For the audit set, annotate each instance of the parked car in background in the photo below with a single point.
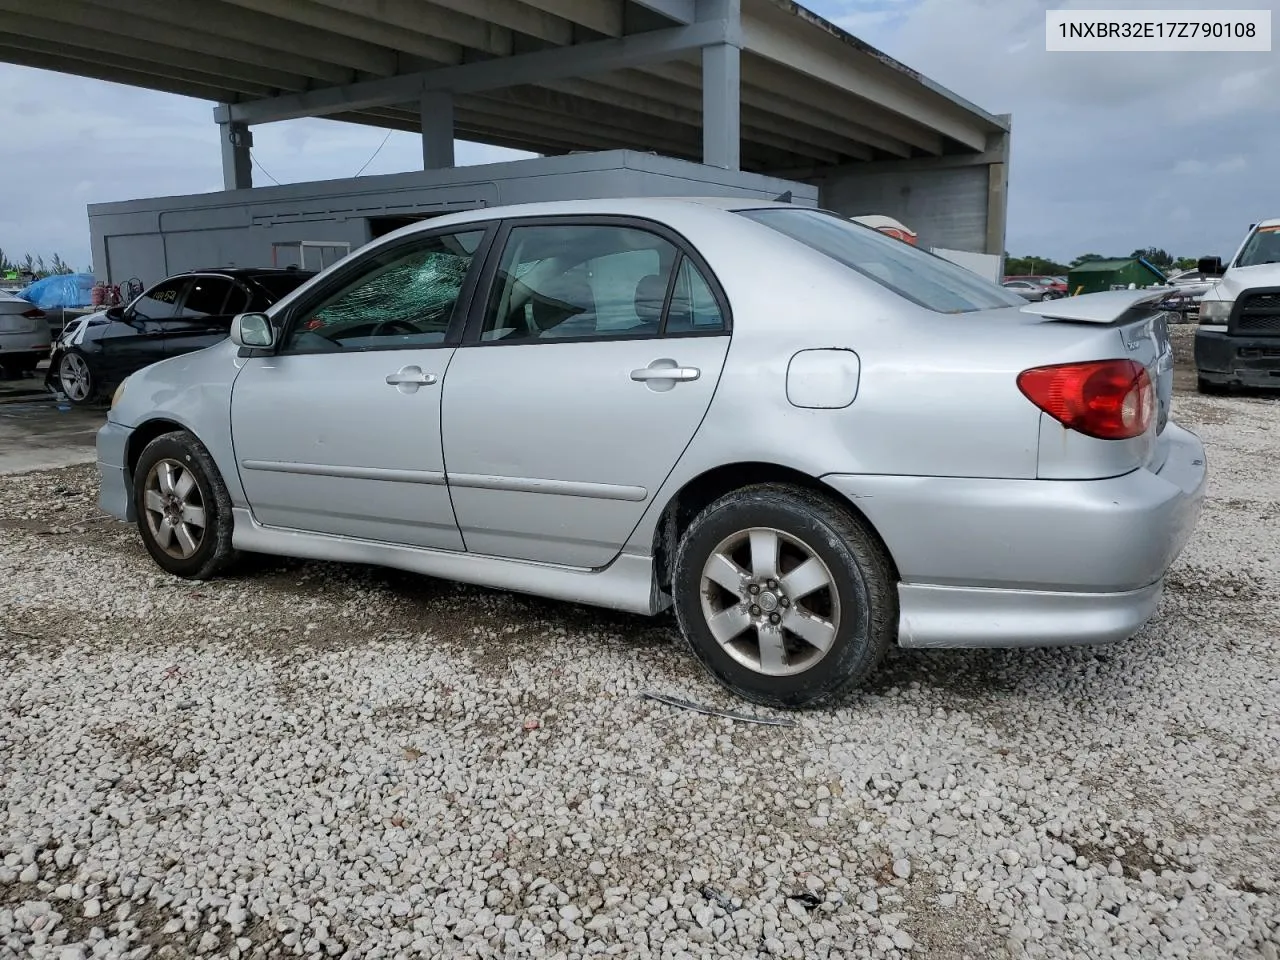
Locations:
(1238, 340)
(24, 335)
(543, 398)
(180, 314)
(1034, 292)
(1054, 286)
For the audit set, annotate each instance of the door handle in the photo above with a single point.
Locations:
(409, 379)
(418, 379)
(653, 372)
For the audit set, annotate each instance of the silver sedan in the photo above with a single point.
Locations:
(811, 440)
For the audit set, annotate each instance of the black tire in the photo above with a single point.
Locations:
(864, 587)
(213, 552)
(66, 363)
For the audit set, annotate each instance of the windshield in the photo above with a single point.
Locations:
(1262, 247)
(908, 271)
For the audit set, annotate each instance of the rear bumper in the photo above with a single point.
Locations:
(1237, 360)
(988, 562)
(115, 491)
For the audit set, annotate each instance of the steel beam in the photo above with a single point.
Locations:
(681, 11)
(583, 59)
(866, 80)
(652, 97)
(420, 17)
(599, 16)
(82, 38)
(437, 130)
(157, 35)
(356, 27)
(248, 26)
(133, 66)
(515, 16)
(112, 72)
(237, 161)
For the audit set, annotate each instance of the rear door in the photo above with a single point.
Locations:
(578, 387)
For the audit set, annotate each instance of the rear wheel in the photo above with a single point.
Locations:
(76, 378)
(183, 508)
(785, 598)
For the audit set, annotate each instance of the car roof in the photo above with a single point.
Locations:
(250, 272)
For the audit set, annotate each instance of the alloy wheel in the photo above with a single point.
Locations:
(770, 601)
(73, 374)
(174, 509)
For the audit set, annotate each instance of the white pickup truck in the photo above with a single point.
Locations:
(1238, 340)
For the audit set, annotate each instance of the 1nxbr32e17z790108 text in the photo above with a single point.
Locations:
(1132, 31)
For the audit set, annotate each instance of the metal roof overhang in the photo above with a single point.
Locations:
(548, 76)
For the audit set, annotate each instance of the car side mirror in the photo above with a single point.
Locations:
(1211, 266)
(253, 330)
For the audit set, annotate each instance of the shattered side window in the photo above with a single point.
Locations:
(406, 298)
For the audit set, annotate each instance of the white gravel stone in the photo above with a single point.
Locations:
(440, 770)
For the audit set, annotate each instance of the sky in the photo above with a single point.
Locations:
(1111, 152)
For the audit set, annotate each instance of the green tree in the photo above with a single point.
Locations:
(1086, 258)
(1154, 256)
(1185, 263)
(1038, 266)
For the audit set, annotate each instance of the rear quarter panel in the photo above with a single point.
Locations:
(937, 394)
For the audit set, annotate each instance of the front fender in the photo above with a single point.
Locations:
(194, 392)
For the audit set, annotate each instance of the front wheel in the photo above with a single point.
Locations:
(76, 378)
(786, 598)
(184, 510)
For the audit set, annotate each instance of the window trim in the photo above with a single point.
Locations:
(350, 268)
(485, 289)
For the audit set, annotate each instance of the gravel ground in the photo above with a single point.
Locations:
(316, 760)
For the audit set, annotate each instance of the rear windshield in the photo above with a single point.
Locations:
(908, 271)
(278, 285)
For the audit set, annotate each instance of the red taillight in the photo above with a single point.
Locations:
(35, 313)
(1107, 399)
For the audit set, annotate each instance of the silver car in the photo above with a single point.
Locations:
(810, 439)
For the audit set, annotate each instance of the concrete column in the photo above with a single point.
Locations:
(437, 130)
(721, 83)
(998, 189)
(721, 106)
(237, 164)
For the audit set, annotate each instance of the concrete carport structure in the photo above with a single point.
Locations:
(758, 86)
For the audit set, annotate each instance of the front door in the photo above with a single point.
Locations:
(137, 341)
(339, 431)
(581, 381)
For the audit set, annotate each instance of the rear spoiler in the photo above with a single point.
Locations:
(1106, 307)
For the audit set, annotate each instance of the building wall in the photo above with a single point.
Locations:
(959, 202)
(947, 208)
(152, 239)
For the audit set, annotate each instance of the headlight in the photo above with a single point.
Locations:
(115, 397)
(1215, 311)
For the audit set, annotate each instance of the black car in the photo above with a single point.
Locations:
(183, 313)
